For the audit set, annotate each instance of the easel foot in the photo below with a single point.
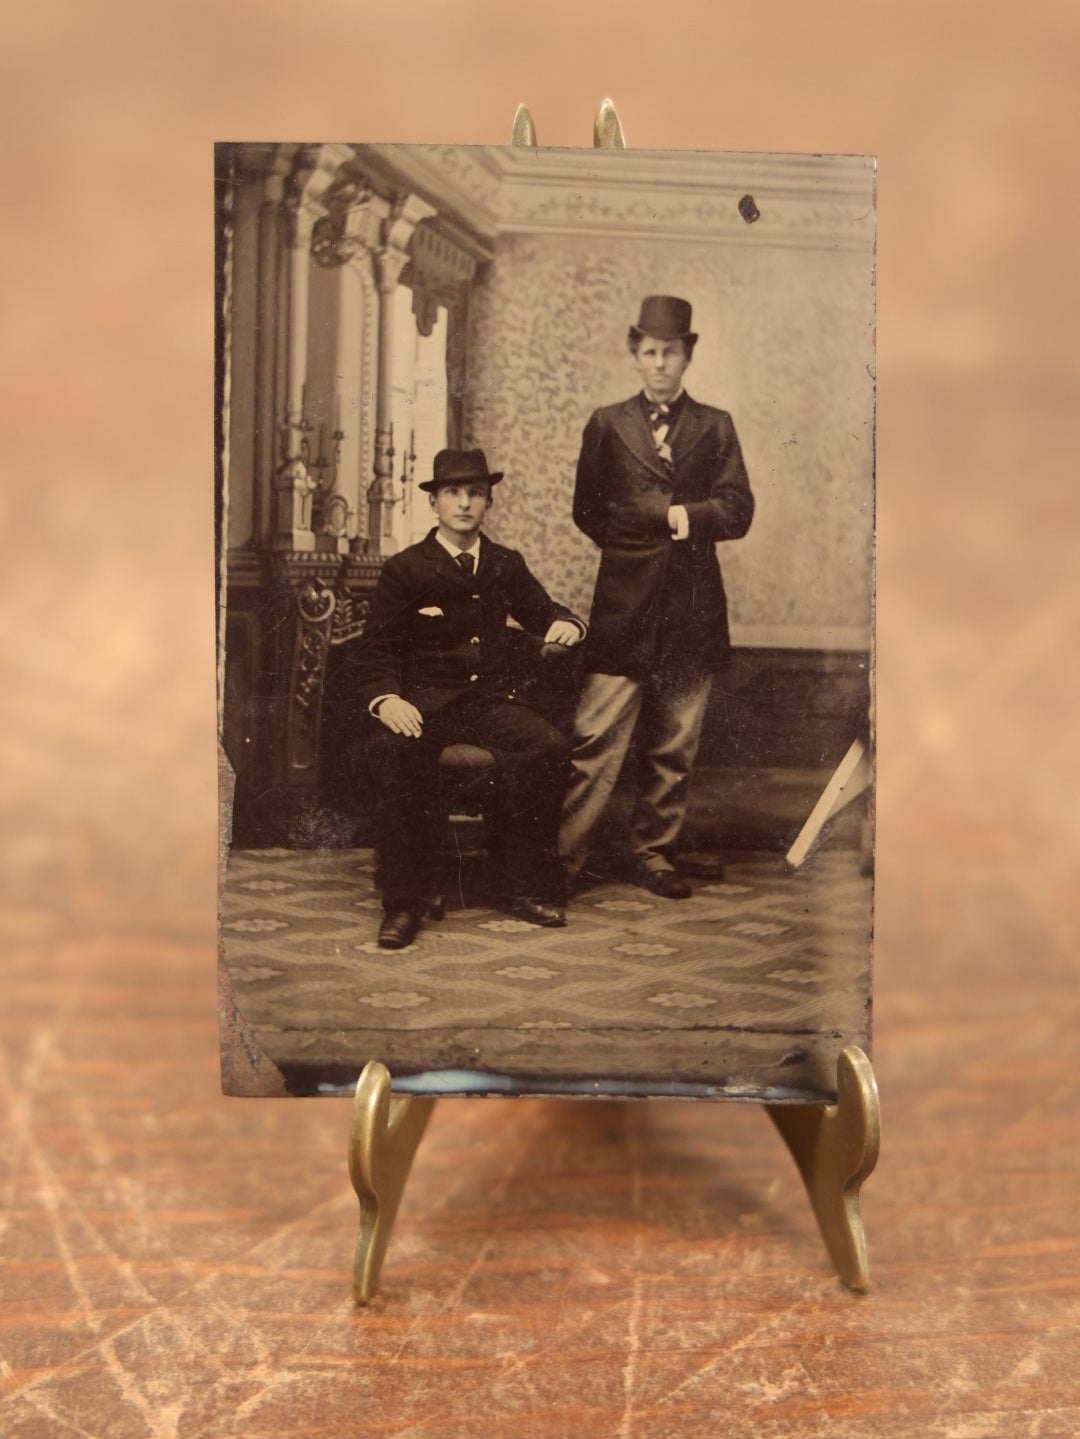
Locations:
(383, 1137)
(836, 1147)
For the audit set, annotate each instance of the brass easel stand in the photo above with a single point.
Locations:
(385, 1131)
(836, 1148)
(834, 1145)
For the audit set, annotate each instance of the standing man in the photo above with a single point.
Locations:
(660, 480)
(432, 669)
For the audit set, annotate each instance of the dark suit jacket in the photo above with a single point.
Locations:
(431, 659)
(659, 603)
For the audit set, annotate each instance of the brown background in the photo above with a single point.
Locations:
(177, 1264)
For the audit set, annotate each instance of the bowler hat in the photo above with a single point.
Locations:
(664, 317)
(460, 467)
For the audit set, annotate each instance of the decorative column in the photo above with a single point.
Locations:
(313, 172)
(390, 258)
(293, 485)
(310, 519)
(273, 222)
(342, 242)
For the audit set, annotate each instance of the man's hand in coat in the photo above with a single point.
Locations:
(400, 716)
(563, 632)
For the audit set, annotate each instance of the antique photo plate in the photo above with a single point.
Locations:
(381, 304)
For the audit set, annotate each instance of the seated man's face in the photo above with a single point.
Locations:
(460, 510)
(661, 364)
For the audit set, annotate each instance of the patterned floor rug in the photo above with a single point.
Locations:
(751, 987)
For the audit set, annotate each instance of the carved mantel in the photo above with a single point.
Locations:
(288, 613)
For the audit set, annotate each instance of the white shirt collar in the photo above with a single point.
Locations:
(453, 551)
(677, 396)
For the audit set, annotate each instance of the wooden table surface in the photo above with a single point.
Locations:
(177, 1264)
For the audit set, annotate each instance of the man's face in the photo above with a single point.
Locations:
(661, 364)
(460, 510)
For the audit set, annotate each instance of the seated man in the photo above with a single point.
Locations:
(432, 670)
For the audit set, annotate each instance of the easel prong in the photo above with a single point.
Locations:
(607, 129)
(524, 131)
(383, 1138)
(835, 1147)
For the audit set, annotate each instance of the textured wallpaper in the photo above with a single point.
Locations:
(786, 347)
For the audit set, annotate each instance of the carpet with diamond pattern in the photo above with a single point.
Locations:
(751, 987)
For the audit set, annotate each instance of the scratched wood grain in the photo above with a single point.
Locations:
(176, 1265)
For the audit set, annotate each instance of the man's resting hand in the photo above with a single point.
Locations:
(400, 716)
(563, 632)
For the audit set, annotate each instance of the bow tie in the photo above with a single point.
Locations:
(661, 415)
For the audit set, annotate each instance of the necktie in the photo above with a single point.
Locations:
(467, 562)
(661, 419)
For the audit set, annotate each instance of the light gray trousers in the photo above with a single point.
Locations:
(668, 725)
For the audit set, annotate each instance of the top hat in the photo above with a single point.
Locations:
(664, 317)
(460, 467)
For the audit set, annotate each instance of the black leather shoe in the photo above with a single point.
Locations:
(537, 911)
(399, 927)
(664, 882)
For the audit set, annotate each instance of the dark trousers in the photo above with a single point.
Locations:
(531, 772)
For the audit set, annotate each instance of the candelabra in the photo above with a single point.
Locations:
(388, 503)
(331, 509)
(293, 486)
(299, 425)
(408, 472)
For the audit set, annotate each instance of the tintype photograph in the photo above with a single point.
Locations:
(545, 542)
